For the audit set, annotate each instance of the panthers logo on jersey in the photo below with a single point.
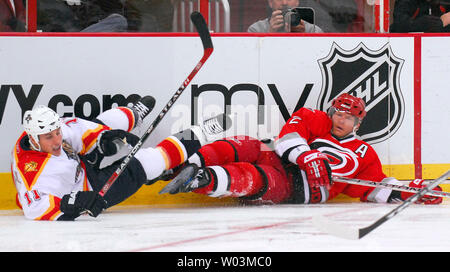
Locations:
(30, 167)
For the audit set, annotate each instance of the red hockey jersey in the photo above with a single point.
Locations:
(349, 157)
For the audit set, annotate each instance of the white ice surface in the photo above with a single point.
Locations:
(269, 228)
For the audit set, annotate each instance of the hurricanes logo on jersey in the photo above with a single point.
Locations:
(343, 161)
(371, 75)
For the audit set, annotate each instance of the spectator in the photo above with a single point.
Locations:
(126, 15)
(56, 16)
(12, 16)
(85, 16)
(100, 15)
(152, 15)
(333, 15)
(275, 22)
(420, 16)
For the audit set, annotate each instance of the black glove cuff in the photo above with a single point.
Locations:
(68, 207)
(395, 196)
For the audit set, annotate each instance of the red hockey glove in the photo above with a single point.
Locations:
(418, 183)
(318, 171)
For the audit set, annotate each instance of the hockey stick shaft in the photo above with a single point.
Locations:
(203, 31)
(364, 231)
(396, 187)
(326, 225)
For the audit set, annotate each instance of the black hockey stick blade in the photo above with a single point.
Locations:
(328, 226)
(202, 29)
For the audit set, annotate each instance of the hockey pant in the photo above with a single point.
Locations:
(246, 168)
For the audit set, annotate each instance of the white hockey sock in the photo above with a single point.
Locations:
(118, 118)
(152, 160)
(222, 181)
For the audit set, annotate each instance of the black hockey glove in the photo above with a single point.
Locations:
(110, 141)
(76, 203)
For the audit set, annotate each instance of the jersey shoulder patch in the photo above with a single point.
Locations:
(30, 163)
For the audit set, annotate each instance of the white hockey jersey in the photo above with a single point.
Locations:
(42, 179)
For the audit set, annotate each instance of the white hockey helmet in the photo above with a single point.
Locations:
(40, 120)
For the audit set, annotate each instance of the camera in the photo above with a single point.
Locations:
(291, 16)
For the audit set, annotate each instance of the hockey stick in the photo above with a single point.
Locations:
(330, 227)
(396, 187)
(202, 29)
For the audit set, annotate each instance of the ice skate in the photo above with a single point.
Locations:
(216, 124)
(142, 108)
(213, 128)
(190, 178)
(168, 174)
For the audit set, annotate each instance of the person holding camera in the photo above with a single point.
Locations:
(280, 20)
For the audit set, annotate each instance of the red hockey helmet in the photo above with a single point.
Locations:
(350, 104)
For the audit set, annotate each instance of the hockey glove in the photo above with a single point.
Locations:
(418, 183)
(318, 171)
(110, 141)
(76, 203)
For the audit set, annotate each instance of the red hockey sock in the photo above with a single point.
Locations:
(130, 115)
(173, 151)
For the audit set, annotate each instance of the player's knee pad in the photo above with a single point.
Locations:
(216, 153)
(246, 180)
(277, 187)
(246, 148)
(249, 182)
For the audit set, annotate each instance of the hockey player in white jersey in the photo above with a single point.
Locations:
(56, 161)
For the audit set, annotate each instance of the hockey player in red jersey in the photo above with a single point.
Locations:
(312, 146)
(56, 161)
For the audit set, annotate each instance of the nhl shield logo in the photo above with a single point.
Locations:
(371, 75)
